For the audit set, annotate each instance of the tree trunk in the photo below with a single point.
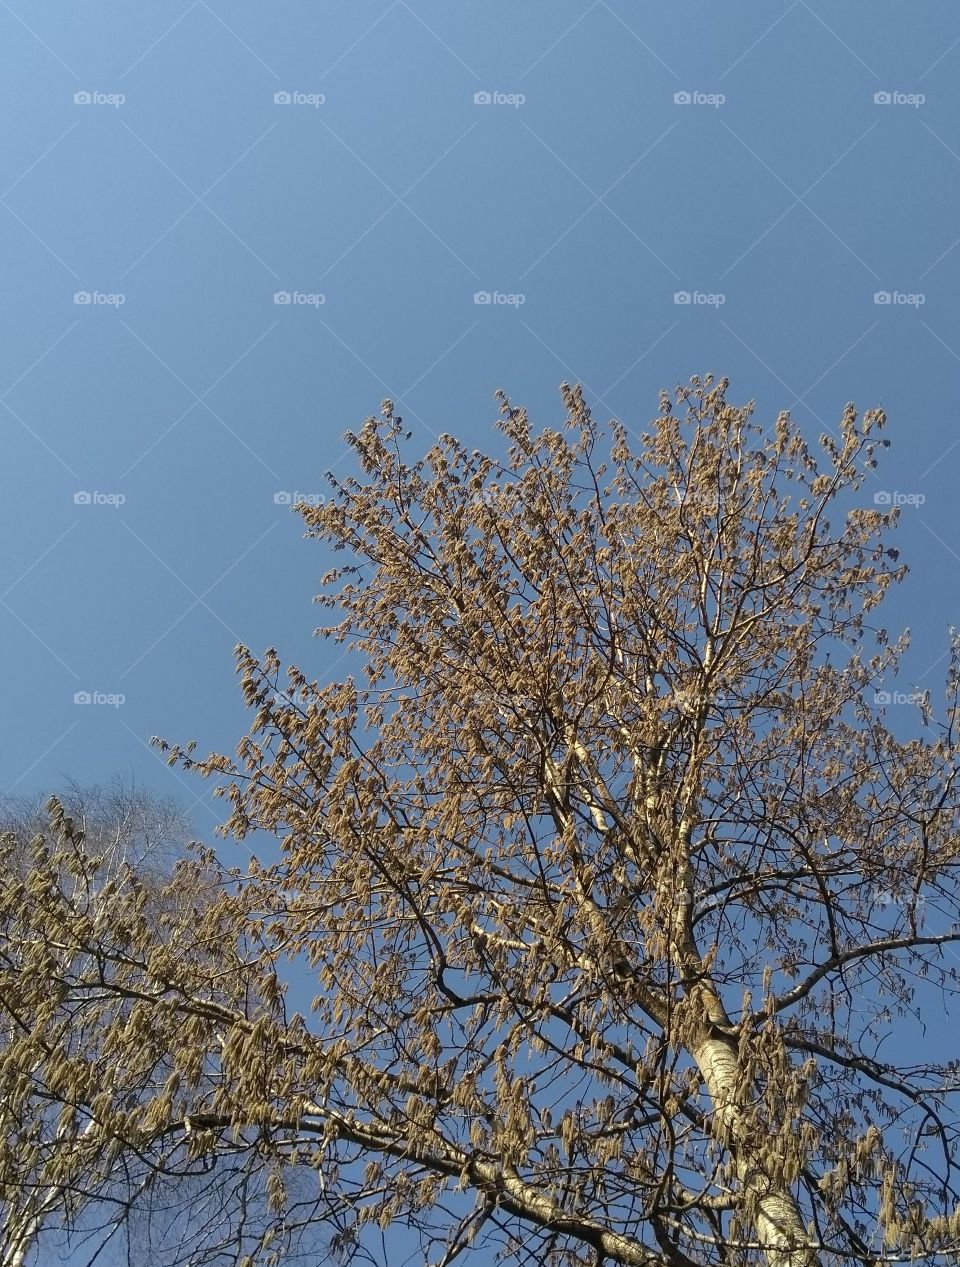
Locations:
(779, 1219)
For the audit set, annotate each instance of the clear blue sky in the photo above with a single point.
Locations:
(181, 186)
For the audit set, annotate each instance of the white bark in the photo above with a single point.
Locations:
(779, 1219)
(22, 1227)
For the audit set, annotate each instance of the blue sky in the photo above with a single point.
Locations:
(183, 188)
(181, 165)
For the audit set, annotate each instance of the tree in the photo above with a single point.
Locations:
(609, 878)
(109, 833)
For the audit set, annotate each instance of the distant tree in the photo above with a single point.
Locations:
(52, 1154)
(609, 877)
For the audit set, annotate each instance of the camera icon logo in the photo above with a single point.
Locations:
(281, 296)
(682, 98)
(681, 296)
(482, 296)
(482, 98)
(82, 98)
(881, 98)
(882, 498)
(281, 98)
(81, 697)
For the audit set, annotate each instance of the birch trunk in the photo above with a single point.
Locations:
(779, 1219)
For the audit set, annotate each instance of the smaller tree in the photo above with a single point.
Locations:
(53, 1162)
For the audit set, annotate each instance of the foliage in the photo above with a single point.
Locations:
(610, 876)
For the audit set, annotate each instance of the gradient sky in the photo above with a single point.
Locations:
(149, 164)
